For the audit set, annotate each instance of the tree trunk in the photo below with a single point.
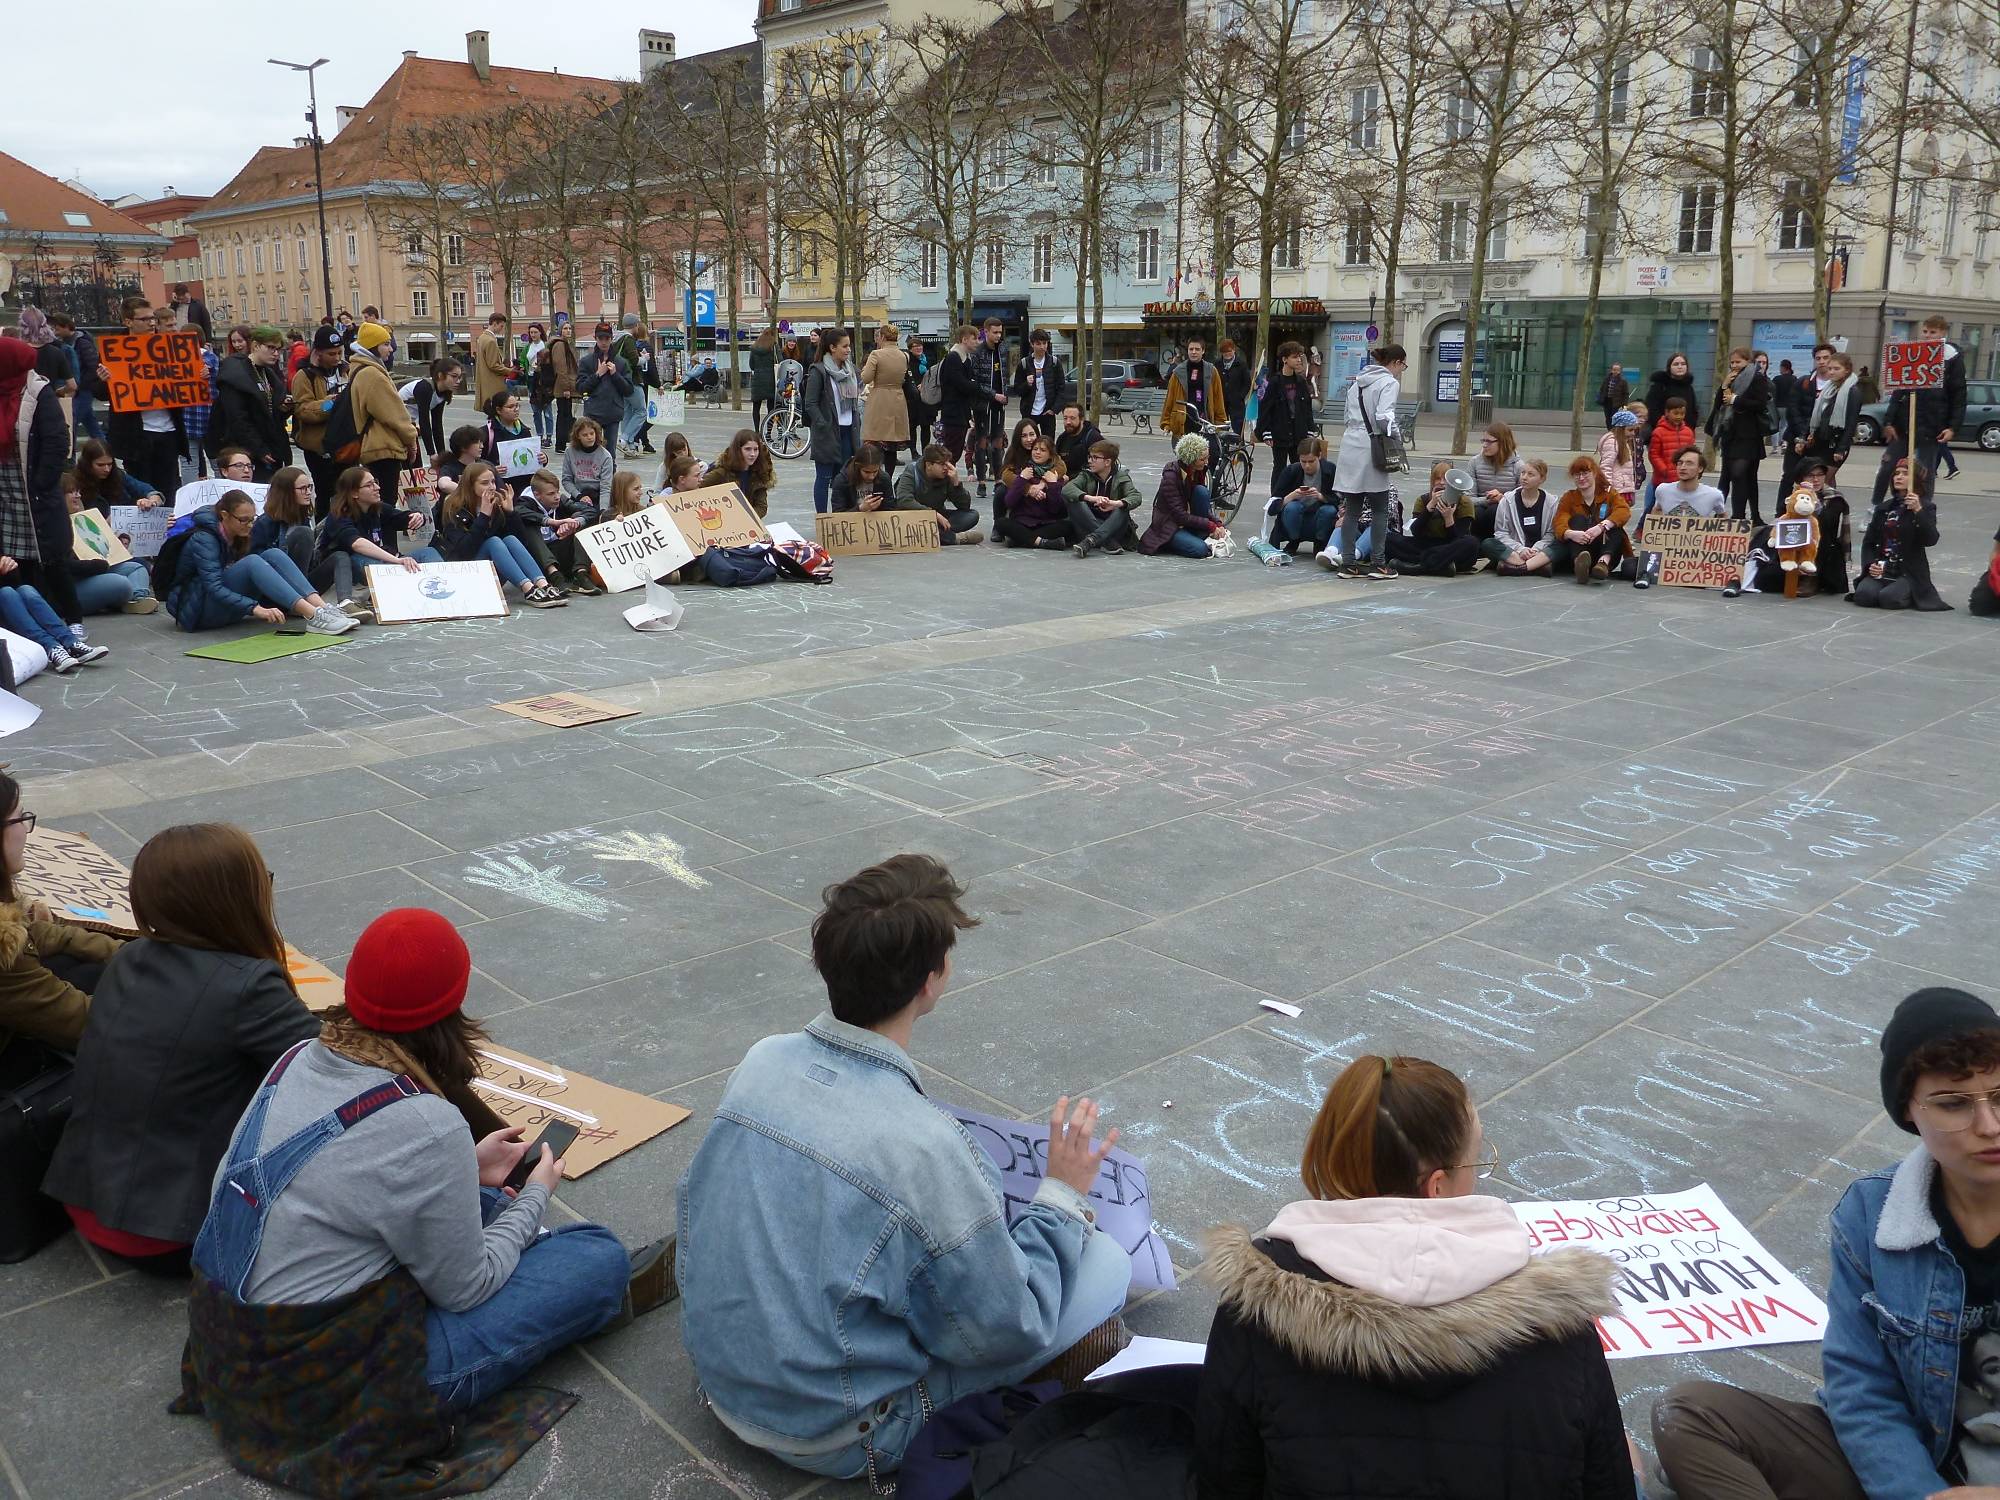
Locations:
(735, 312)
(1581, 396)
(1469, 358)
(1392, 254)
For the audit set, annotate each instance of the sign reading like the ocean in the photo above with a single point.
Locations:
(717, 516)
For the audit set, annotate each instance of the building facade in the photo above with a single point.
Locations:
(64, 250)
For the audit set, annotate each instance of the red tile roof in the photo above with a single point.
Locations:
(34, 203)
(164, 210)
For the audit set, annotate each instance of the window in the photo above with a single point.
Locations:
(1285, 251)
(454, 250)
(1954, 206)
(1045, 161)
(927, 265)
(1590, 207)
(805, 255)
(1364, 118)
(753, 280)
(607, 282)
(996, 164)
(1613, 104)
(353, 249)
(1919, 205)
(995, 264)
(263, 308)
(239, 260)
(1146, 256)
(303, 261)
(1295, 136)
(278, 258)
(1805, 72)
(1705, 84)
(1982, 227)
(77, 220)
(413, 247)
(517, 291)
(1359, 249)
(1455, 229)
(1496, 232)
(482, 286)
(1153, 148)
(458, 302)
(1796, 227)
(646, 287)
(420, 302)
(1697, 226)
(257, 257)
(1461, 116)
(1042, 268)
(281, 307)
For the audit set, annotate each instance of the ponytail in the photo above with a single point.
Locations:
(1385, 1125)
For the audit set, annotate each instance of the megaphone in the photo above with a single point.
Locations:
(1459, 482)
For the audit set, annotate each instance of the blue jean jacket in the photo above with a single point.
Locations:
(840, 1233)
(1892, 1336)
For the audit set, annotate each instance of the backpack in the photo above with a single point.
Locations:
(930, 390)
(808, 562)
(739, 567)
(167, 565)
(342, 443)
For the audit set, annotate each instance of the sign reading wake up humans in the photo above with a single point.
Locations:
(154, 371)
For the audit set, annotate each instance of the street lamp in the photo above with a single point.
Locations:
(319, 182)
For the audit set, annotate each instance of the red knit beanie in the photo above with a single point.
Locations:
(408, 971)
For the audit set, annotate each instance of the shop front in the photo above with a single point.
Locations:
(1169, 325)
(1530, 351)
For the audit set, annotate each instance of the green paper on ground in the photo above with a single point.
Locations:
(266, 647)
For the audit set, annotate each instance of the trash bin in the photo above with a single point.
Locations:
(1482, 409)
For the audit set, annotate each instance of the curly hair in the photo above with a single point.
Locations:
(1953, 1057)
(1191, 448)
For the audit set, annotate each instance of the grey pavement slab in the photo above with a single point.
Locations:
(1648, 869)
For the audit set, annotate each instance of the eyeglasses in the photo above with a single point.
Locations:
(27, 820)
(1952, 1113)
(1486, 1166)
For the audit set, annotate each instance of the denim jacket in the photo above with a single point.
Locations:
(1891, 1349)
(840, 1233)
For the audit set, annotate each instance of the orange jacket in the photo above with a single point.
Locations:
(1668, 440)
(1573, 515)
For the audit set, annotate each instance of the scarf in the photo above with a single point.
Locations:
(1831, 405)
(842, 376)
(17, 363)
(346, 1037)
(35, 328)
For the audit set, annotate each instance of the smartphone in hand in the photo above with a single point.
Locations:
(558, 1137)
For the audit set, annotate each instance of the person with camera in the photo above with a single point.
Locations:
(1895, 550)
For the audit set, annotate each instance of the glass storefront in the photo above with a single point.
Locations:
(1531, 348)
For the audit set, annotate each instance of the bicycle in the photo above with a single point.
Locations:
(1228, 469)
(785, 432)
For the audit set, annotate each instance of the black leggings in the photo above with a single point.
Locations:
(1014, 534)
(1739, 483)
(758, 406)
(1884, 593)
(1459, 552)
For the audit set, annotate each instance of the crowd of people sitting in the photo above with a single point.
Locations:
(371, 1272)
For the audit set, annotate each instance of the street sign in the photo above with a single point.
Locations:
(1916, 364)
(700, 309)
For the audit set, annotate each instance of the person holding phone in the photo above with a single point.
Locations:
(362, 1275)
(477, 520)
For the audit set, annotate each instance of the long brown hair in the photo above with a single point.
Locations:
(205, 885)
(347, 492)
(10, 807)
(110, 490)
(759, 475)
(1385, 1125)
(867, 456)
(281, 499)
(461, 500)
(1016, 458)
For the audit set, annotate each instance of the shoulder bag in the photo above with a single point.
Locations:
(1385, 449)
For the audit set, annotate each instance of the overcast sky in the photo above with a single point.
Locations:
(202, 97)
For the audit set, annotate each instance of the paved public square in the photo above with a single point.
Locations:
(1648, 868)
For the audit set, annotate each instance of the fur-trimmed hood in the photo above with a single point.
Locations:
(13, 933)
(1332, 1325)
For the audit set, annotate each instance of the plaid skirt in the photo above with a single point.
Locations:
(196, 418)
(17, 521)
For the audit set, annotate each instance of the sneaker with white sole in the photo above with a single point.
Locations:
(354, 609)
(329, 621)
(90, 655)
(1329, 559)
(143, 604)
(60, 661)
(79, 632)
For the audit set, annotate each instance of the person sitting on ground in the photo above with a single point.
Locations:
(1074, 440)
(186, 1021)
(218, 580)
(48, 967)
(1523, 536)
(875, 1248)
(504, 425)
(1303, 499)
(286, 522)
(1183, 518)
(104, 587)
(1012, 462)
(628, 493)
(1590, 523)
(477, 520)
(1440, 541)
(363, 1283)
(1985, 600)
(360, 531)
(1033, 512)
(864, 483)
(589, 463)
(684, 473)
(1102, 501)
(1689, 493)
(672, 446)
(746, 464)
(543, 521)
(1762, 573)
(1663, 452)
(1620, 454)
(466, 443)
(101, 482)
(1910, 1304)
(932, 483)
(24, 611)
(1392, 1334)
(1895, 550)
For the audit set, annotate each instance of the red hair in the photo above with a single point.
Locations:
(1584, 461)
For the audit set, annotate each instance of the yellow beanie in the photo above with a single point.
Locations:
(372, 336)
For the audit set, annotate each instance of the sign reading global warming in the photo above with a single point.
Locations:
(1690, 1278)
(717, 516)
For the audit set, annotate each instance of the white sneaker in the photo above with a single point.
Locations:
(60, 661)
(1328, 559)
(78, 632)
(329, 621)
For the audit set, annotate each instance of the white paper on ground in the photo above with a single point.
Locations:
(783, 531)
(661, 611)
(16, 713)
(28, 658)
(1281, 1008)
(1144, 1353)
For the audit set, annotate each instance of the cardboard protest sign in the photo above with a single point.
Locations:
(717, 516)
(436, 591)
(191, 497)
(565, 710)
(670, 407)
(1697, 552)
(95, 540)
(154, 371)
(318, 986)
(1913, 364)
(610, 1121)
(78, 881)
(141, 530)
(418, 483)
(1691, 1277)
(1123, 1204)
(632, 550)
(519, 456)
(866, 533)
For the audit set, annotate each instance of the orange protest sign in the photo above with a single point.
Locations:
(154, 371)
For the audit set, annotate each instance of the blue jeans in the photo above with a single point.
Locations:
(568, 1284)
(345, 571)
(1185, 543)
(1199, 503)
(635, 417)
(87, 424)
(1303, 521)
(268, 575)
(107, 593)
(25, 612)
(824, 473)
(512, 561)
(545, 420)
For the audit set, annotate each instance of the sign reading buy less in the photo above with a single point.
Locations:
(1913, 364)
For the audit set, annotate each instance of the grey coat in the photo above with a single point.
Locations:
(1354, 471)
(817, 406)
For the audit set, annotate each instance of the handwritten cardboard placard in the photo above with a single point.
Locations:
(154, 371)
(191, 497)
(717, 516)
(519, 457)
(629, 551)
(1697, 552)
(1691, 1277)
(142, 531)
(565, 710)
(318, 986)
(1123, 1203)
(869, 533)
(78, 881)
(95, 539)
(436, 591)
(610, 1121)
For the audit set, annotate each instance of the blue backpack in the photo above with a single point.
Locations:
(167, 566)
(739, 567)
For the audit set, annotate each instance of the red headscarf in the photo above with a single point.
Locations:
(17, 363)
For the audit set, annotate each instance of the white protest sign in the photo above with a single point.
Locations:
(1691, 1278)
(631, 550)
(670, 407)
(520, 456)
(206, 492)
(142, 530)
(436, 591)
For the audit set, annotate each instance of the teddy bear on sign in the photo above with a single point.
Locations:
(1795, 535)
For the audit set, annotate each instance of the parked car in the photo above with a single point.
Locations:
(1122, 380)
(1982, 417)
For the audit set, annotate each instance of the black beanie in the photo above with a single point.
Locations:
(1928, 1015)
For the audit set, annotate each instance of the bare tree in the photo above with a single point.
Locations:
(638, 159)
(500, 218)
(719, 103)
(560, 162)
(425, 208)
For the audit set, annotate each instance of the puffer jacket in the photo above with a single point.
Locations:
(198, 597)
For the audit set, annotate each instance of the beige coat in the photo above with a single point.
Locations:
(886, 418)
(490, 368)
(386, 428)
